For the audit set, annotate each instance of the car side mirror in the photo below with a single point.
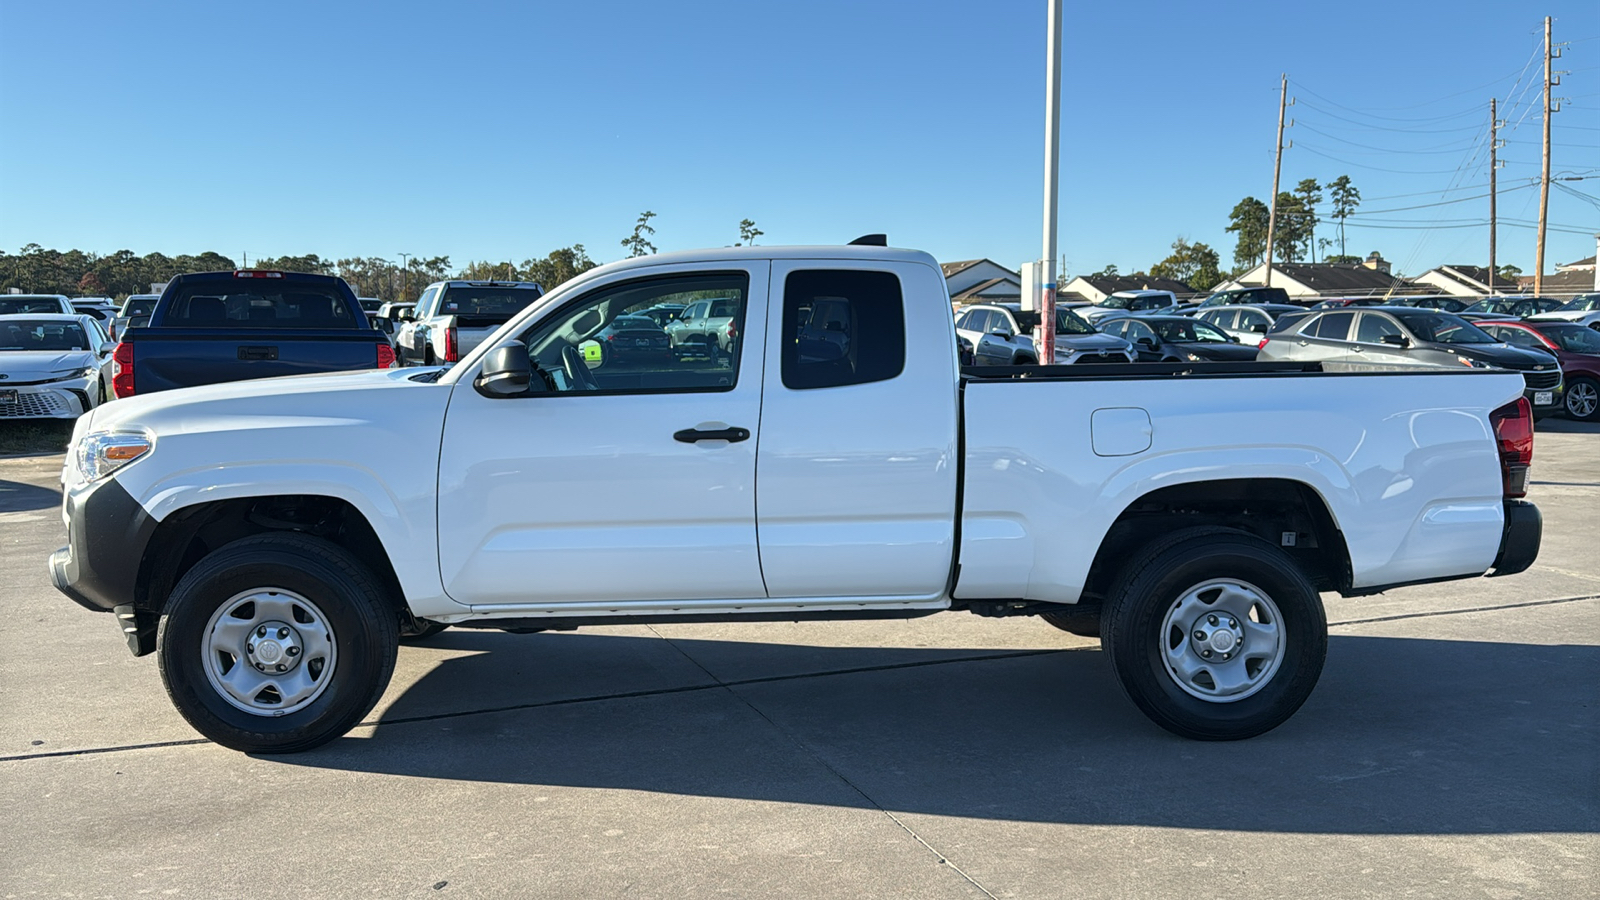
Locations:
(406, 315)
(1001, 332)
(507, 372)
(1147, 343)
(1233, 339)
(1396, 340)
(1258, 328)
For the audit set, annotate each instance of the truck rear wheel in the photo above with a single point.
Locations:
(1215, 634)
(277, 643)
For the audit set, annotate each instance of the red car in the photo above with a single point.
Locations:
(1578, 349)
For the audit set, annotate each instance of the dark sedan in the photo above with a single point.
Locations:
(1509, 308)
(1178, 339)
(631, 340)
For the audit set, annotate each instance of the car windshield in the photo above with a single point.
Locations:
(1115, 302)
(1444, 328)
(1222, 299)
(1585, 303)
(1573, 338)
(139, 306)
(11, 306)
(1067, 322)
(37, 334)
(1189, 332)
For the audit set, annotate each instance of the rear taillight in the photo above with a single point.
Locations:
(1513, 431)
(1262, 344)
(452, 345)
(385, 355)
(256, 273)
(122, 370)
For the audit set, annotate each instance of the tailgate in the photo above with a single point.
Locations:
(166, 358)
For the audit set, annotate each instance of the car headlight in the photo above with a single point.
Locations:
(87, 372)
(103, 452)
(1474, 363)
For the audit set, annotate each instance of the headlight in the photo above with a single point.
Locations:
(104, 452)
(1474, 363)
(68, 376)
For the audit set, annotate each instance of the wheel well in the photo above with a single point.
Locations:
(1269, 508)
(187, 535)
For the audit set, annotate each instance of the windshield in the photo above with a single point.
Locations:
(476, 301)
(1585, 303)
(1444, 328)
(1115, 302)
(1189, 332)
(14, 306)
(36, 334)
(1067, 322)
(1221, 299)
(139, 306)
(1573, 338)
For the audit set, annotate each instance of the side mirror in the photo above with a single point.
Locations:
(1233, 339)
(1147, 343)
(1258, 328)
(507, 372)
(1001, 332)
(1396, 340)
(406, 314)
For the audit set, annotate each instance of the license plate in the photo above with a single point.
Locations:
(8, 396)
(641, 342)
(1544, 398)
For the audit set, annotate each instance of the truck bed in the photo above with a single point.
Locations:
(167, 358)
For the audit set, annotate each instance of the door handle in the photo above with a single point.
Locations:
(694, 435)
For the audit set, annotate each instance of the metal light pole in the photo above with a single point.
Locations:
(1046, 329)
(405, 276)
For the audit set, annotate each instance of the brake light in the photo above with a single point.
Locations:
(1262, 344)
(385, 355)
(452, 345)
(1513, 431)
(122, 370)
(256, 273)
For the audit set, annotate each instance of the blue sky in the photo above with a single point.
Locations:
(505, 130)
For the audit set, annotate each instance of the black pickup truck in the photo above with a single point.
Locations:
(212, 327)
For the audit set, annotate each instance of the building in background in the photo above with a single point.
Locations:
(1370, 278)
(1466, 281)
(1095, 288)
(981, 281)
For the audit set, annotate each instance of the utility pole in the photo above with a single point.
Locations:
(1494, 163)
(1544, 179)
(405, 276)
(1045, 331)
(1277, 169)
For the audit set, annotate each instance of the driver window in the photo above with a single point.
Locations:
(1374, 328)
(610, 341)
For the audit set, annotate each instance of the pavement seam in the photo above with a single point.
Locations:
(1457, 612)
(819, 760)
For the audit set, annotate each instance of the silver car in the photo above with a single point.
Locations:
(1002, 335)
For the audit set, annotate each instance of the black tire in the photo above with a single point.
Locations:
(1168, 569)
(1582, 389)
(423, 630)
(364, 626)
(1081, 619)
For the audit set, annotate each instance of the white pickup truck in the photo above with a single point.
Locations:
(273, 541)
(451, 318)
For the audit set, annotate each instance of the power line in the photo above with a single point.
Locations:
(1464, 145)
(1369, 127)
(1310, 149)
(1487, 84)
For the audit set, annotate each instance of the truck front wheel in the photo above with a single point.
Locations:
(277, 643)
(1215, 634)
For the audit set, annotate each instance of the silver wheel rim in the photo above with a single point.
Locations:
(268, 651)
(1582, 398)
(1222, 640)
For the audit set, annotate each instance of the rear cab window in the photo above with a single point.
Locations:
(842, 327)
(258, 303)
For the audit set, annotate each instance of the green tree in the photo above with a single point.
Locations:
(558, 266)
(1197, 265)
(1293, 221)
(488, 271)
(1109, 271)
(310, 263)
(1345, 198)
(1249, 221)
(1510, 271)
(1341, 259)
(748, 232)
(1309, 193)
(637, 243)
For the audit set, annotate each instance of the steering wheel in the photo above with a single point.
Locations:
(578, 374)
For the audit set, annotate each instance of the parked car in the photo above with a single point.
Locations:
(1126, 303)
(134, 313)
(663, 313)
(1577, 349)
(52, 365)
(1583, 309)
(1178, 339)
(18, 304)
(1344, 302)
(1247, 324)
(709, 327)
(1510, 307)
(103, 309)
(452, 317)
(215, 327)
(390, 316)
(370, 305)
(1389, 336)
(1440, 302)
(629, 340)
(1246, 296)
(1002, 335)
(249, 535)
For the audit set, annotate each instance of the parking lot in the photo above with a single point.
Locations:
(1449, 751)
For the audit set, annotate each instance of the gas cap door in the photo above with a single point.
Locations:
(1120, 431)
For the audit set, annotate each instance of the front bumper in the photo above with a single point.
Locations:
(1519, 539)
(107, 533)
(56, 400)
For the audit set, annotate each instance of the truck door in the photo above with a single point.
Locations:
(856, 472)
(633, 479)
